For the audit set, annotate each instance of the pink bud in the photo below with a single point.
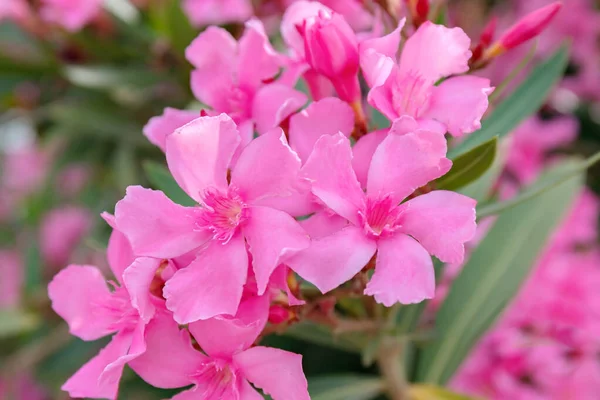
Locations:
(331, 49)
(487, 35)
(530, 26)
(278, 314)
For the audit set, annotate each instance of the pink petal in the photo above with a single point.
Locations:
(323, 223)
(86, 381)
(378, 55)
(294, 15)
(363, 154)
(459, 103)
(325, 117)
(329, 167)
(119, 254)
(158, 128)
(200, 153)
(258, 60)
(155, 226)
(403, 272)
(277, 372)
(253, 176)
(247, 392)
(279, 281)
(138, 278)
(111, 375)
(224, 336)
(191, 394)
(334, 259)
(214, 56)
(273, 104)
(211, 285)
(442, 222)
(435, 51)
(78, 293)
(170, 360)
(403, 163)
(272, 235)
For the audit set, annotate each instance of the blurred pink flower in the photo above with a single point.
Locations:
(12, 271)
(217, 12)
(61, 231)
(14, 10)
(73, 178)
(24, 171)
(72, 15)
(22, 387)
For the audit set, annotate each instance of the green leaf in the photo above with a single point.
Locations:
(161, 178)
(538, 189)
(14, 322)
(430, 392)
(524, 101)
(481, 188)
(493, 275)
(345, 387)
(469, 166)
(321, 335)
(109, 77)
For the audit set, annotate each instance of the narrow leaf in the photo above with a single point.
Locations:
(321, 335)
(469, 166)
(345, 387)
(14, 322)
(523, 102)
(494, 273)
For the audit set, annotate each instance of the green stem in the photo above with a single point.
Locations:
(390, 365)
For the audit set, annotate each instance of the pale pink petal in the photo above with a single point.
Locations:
(435, 51)
(442, 222)
(119, 254)
(279, 281)
(362, 153)
(138, 278)
(273, 104)
(155, 226)
(158, 128)
(253, 176)
(224, 336)
(272, 236)
(459, 103)
(278, 373)
(214, 56)
(382, 96)
(111, 375)
(378, 55)
(78, 294)
(294, 15)
(403, 163)
(333, 260)
(199, 153)
(403, 272)
(170, 358)
(258, 61)
(211, 285)
(329, 167)
(86, 381)
(324, 117)
(323, 223)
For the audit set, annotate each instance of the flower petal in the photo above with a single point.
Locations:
(211, 285)
(403, 272)
(258, 61)
(363, 154)
(170, 359)
(435, 51)
(138, 278)
(333, 260)
(111, 375)
(158, 128)
(459, 103)
(272, 235)
(78, 293)
(119, 253)
(253, 176)
(224, 335)
(294, 15)
(403, 163)
(277, 372)
(199, 153)
(378, 55)
(273, 104)
(329, 167)
(325, 117)
(155, 226)
(442, 221)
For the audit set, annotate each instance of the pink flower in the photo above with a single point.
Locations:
(403, 235)
(217, 12)
(158, 128)
(235, 216)
(231, 77)
(81, 296)
(230, 363)
(73, 179)
(409, 88)
(331, 49)
(14, 10)
(12, 272)
(61, 231)
(72, 15)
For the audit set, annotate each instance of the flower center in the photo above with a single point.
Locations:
(380, 217)
(411, 94)
(221, 213)
(218, 379)
(238, 103)
(118, 307)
